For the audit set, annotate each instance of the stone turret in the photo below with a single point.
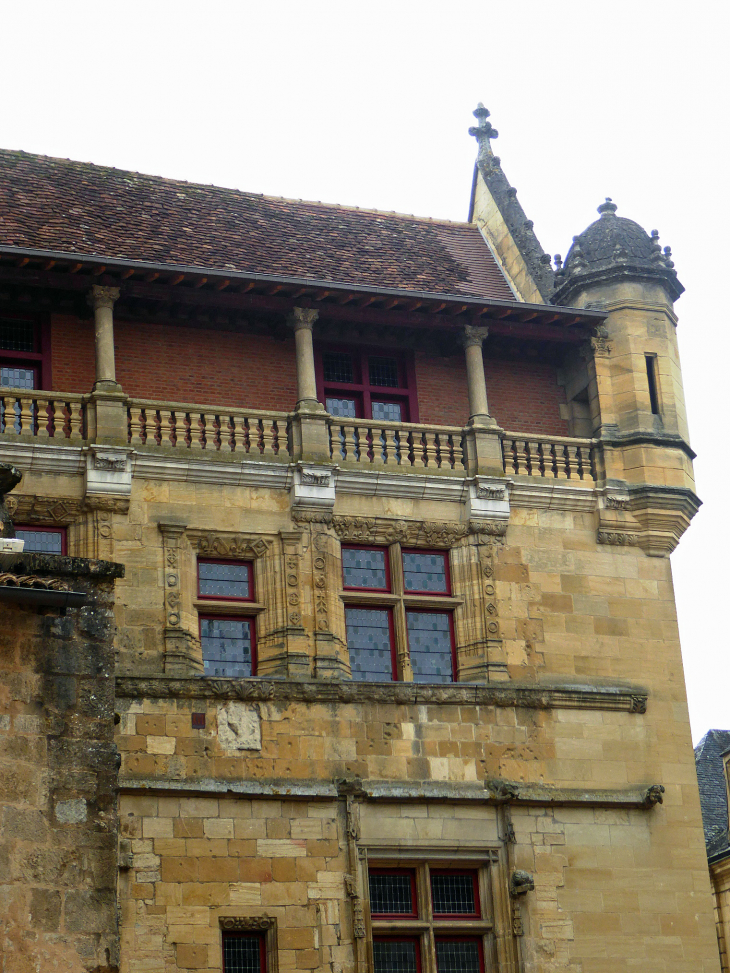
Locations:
(631, 377)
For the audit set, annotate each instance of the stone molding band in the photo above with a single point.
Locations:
(493, 791)
(621, 698)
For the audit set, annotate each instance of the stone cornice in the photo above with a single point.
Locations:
(494, 791)
(630, 699)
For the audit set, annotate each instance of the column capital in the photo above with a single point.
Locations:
(303, 317)
(103, 296)
(474, 335)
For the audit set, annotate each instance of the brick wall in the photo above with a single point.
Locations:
(192, 365)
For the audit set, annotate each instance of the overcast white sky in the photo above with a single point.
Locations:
(369, 104)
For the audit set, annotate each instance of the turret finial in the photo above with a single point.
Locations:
(608, 208)
(484, 131)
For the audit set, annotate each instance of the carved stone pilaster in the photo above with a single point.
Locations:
(479, 646)
(282, 637)
(182, 648)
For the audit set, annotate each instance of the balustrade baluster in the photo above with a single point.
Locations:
(163, 428)
(418, 457)
(389, 446)
(44, 418)
(76, 421)
(561, 461)
(26, 423)
(230, 435)
(345, 432)
(521, 456)
(137, 426)
(572, 462)
(197, 430)
(268, 438)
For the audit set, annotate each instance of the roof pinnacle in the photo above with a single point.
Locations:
(483, 131)
(608, 208)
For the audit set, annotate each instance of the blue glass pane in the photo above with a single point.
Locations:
(395, 956)
(41, 541)
(425, 572)
(458, 956)
(226, 646)
(387, 411)
(363, 569)
(368, 642)
(224, 580)
(343, 408)
(429, 643)
(17, 378)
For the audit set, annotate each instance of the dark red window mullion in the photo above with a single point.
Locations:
(475, 886)
(447, 571)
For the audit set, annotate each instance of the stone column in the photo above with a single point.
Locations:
(107, 405)
(309, 429)
(302, 321)
(472, 341)
(483, 445)
(102, 300)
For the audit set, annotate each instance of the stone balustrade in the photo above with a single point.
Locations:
(551, 457)
(195, 427)
(44, 415)
(267, 435)
(421, 447)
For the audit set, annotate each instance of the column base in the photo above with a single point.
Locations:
(106, 416)
(483, 446)
(310, 434)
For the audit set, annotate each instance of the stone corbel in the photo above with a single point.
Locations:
(108, 472)
(488, 500)
(313, 488)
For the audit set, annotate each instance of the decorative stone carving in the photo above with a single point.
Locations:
(311, 516)
(638, 704)
(474, 335)
(211, 544)
(521, 883)
(44, 510)
(617, 538)
(118, 505)
(247, 923)
(617, 503)
(488, 501)
(654, 795)
(182, 655)
(600, 343)
(381, 530)
(239, 727)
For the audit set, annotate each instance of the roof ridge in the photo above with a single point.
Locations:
(350, 208)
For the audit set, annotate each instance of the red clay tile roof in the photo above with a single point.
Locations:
(75, 207)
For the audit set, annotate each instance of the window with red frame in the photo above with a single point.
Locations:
(42, 540)
(367, 384)
(244, 952)
(228, 641)
(23, 364)
(428, 919)
(371, 625)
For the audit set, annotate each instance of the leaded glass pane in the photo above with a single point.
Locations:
(425, 572)
(17, 378)
(337, 367)
(226, 646)
(363, 568)
(387, 411)
(429, 643)
(453, 894)
(224, 580)
(458, 956)
(342, 408)
(368, 643)
(17, 335)
(242, 954)
(384, 372)
(395, 956)
(391, 894)
(41, 541)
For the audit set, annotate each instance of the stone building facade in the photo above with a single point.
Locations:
(398, 680)
(711, 759)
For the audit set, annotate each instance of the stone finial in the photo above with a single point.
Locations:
(558, 263)
(608, 208)
(303, 317)
(483, 131)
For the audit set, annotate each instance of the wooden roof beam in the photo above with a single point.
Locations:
(221, 286)
(200, 282)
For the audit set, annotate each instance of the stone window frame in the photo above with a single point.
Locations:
(262, 925)
(424, 927)
(399, 602)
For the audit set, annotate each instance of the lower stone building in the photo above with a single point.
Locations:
(711, 757)
(397, 683)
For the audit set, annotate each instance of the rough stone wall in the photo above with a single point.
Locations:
(58, 775)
